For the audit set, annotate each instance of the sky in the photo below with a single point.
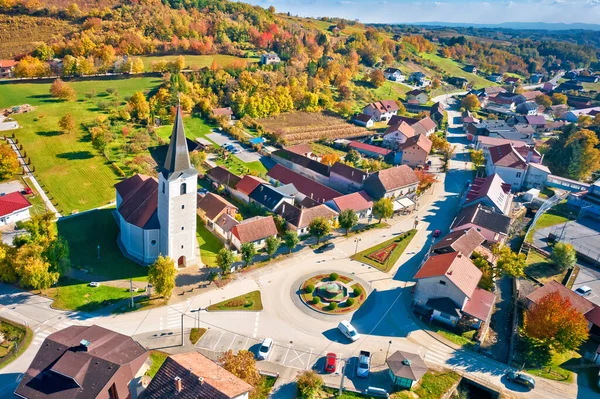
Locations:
(479, 12)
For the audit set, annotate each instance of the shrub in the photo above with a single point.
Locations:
(316, 300)
(349, 301)
(334, 276)
(309, 288)
(357, 291)
(333, 306)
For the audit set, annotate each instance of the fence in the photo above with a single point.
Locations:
(582, 250)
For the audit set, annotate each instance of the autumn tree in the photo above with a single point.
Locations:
(272, 244)
(248, 251)
(555, 323)
(477, 157)
(30, 67)
(63, 91)
(559, 98)
(347, 219)
(508, 263)
(425, 180)
(564, 255)
(352, 156)
(470, 102)
(439, 143)
(161, 275)
(309, 384)
(319, 227)
(9, 162)
(225, 260)
(377, 77)
(242, 365)
(197, 158)
(139, 107)
(585, 154)
(291, 240)
(330, 158)
(543, 100)
(67, 123)
(383, 208)
(33, 270)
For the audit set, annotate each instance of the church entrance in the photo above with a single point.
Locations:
(181, 261)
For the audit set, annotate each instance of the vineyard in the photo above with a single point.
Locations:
(305, 127)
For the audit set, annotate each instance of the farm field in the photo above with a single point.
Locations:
(305, 127)
(76, 176)
(198, 61)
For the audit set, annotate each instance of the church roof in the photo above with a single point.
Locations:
(139, 201)
(177, 161)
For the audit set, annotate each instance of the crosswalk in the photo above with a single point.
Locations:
(173, 318)
(42, 331)
(437, 353)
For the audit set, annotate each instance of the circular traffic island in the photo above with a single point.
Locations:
(332, 293)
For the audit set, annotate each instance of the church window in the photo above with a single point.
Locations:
(153, 242)
(181, 227)
(163, 188)
(182, 206)
(183, 189)
(182, 247)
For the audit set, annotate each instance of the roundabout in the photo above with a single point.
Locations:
(332, 293)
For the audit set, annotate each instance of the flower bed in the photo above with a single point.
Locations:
(321, 305)
(381, 255)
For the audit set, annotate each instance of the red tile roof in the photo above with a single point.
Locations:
(254, 229)
(306, 186)
(248, 184)
(222, 111)
(385, 106)
(424, 125)
(139, 200)
(359, 201)
(420, 140)
(464, 241)
(506, 155)
(300, 149)
(482, 186)
(8, 63)
(402, 127)
(480, 304)
(396, 177)
(456, 267)
(213, 205)
(536, 120)
(13, 202)
(357, 145)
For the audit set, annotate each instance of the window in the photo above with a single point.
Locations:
(442, 282)
(182, 247)
(182, 228)
(518, 174)
(182, 206)
(153, 243)
(183, 189)
(163, 188)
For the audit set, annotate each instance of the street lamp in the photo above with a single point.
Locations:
(416, 222)
(356, 240)
(388, 349)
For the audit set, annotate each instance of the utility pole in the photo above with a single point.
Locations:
(356, 240)
(388, 350)
(182, 329)
(130, 289)
(343, 376)
(98, 251)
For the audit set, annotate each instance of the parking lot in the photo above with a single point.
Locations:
(244, 155)
(591, 278)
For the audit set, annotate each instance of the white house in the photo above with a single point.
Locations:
(270, 58)
(397, 134)
(14, 207)
(518, 166)
(381, 110)
(394, 74)
(587, 201)
(363, 120)
(254, 230)
(418, 95)
(491, 191)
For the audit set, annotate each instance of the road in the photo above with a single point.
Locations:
(302, 336)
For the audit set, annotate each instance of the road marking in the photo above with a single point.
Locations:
(217, 343)
(246, 344)
(286, 353)
(298, 357)
(160, 323)
(256, 325)
(232, 341)
(308, 361)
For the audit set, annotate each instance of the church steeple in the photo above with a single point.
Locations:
(177, 161)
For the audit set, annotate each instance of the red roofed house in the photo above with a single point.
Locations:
(218, 215)
(381, 110)
(14, 207)
(359, 202)
(298, 219)
(415, 150)
(397, 134)
(447, 286)
(373, 151)
(346, 178)
(245, 186)
(7, 68)
(400, 181)
(419, 95)
(254, 230)
(518, 166)
(491, 191)
(424, 126)
(226, 112)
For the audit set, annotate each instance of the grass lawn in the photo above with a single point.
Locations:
(322, 306)
(465, 339)
(195, 127)
(198, 61)
(209, 244)
(235, 166)
(333, 393)
(13, 333)
(157, 358)
(85, 232)
(453, 68)
(540, 361)
(432, 385)
(78, 295)
(402, 242)
(196, 334)
(68, 167)
(542, 268)
(250, 301)
(553, 217)
(38, 205)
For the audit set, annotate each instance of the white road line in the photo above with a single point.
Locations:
(160, 323)
(217, 343)
(298, 357)
(308, 361)
(256, 325)
(286, 353)
(232, 341)
(246, 344)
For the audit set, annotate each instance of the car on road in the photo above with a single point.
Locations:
(584, 291)
(236, 151)
(202, 191)
(520, 378)
(437, 233)
(330, 362)
(348, 330)
(265, 349)
(325, 247)
(364, 364)
(94, 284)
(470, 146)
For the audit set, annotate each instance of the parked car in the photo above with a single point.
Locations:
(265, 349)
(325, 247)
(202, 191)
(437, 233)
(236, 151)
(27, 191)
(94, 284)
(470, 146)
(330, 362)
(379, 392)
(584, 291)
(348, 330)
(364, 364)
(520, 378)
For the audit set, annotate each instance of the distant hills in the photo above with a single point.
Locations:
(516, 25)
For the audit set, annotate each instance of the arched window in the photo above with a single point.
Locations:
(182, 189)
(163, 188)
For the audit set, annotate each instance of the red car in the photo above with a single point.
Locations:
(330, 362)
(437, 233)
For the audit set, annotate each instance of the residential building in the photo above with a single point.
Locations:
(359, 202)
(573, 115)
(373, 151)
(14, 207)
(396, 119)
(549, 86)
(587, 201)
(84, 362)
(302, 149)
(490, 191)
(415, 150)
(518, 166)
(532, 95)
(419, 95)
(462, 241)
(298, 219)
(308, 167)
(394, 74)
(447, 286)
(269, 197)
(511, 80)
(226, 113)
(310, 188)
(397, 182)
(192, 375)
(212, 210)
(458, 82)
(405, 369)
(397, 134)
(245, 187)
(436, 113)
(254, 230)
(270, 58)
(493, 226)
(470, 68)
(7, 68)
(345, 178)
(495, 77)
(381, 110)
(528, 108)
(219, 176)
(363, 120)
(538, 122)
(424, 126)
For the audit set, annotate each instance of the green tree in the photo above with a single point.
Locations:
(347, 219)
(67, 123)
(509, 263)
(197, 158)
(543, 100)
(291, 240)
(248, 251)
(319, 227)
(9, 162)
(352, 156)
(309, 384)
(383, 209)
(161, 275)
(225, 260)
(564, 255)
(272, 245)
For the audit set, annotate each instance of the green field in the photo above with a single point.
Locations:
(433, 385)
(195, 127)
(542, 268)
(209, 244)
(78, 295)
(67, 166)
(402, 242)
(250, 302)
(198, 61)
(453, 68)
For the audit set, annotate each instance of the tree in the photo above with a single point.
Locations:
(383, 208)
(377, 77)
(470, 102)
(564, 255)
(559, 98)
(9, 162)
(225, 260)
(272, 245)
(347, 219)
(291, 239)
(425, 180)
(309, 384)
(33, 270)
(439, 143)
(509, 263)
(586, 152)
(555, 323)
(477, 157)
(330, 159)
(242, 365)
(30, 67)
(67, 123)
(248, 251)
(197, 158)
(161, 275)
(139, 107)
(319, 227)
(543, 100)
(63, 91)
(352, 156)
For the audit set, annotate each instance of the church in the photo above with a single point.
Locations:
(158, 216)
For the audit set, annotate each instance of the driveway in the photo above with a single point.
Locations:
(591, 278)
(244, 155)
(11, 187)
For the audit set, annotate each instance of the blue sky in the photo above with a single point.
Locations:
(486, 12)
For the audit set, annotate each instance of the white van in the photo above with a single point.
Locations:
(348, 330)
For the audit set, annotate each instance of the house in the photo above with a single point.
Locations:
(220, 176)
(396, 182)
(538, 122)
(528, 108)
(447, 287)
(495, 77)
(458, 81)
(532, 95)
(84, 362)
(310, 188)
(463, 241)
(7, 68)
(405, 369)
(536, 78)
(568, 86)
(226, 113)
(269, 197)
(496, 129)
(394, 74)
(14, 207)
(245, 187)
(590, 311)
(346, 178)
(365, 120)
(415, 150)
(587, 78)
(270, 58)
(419, 79)
(254, 230)
(302, 149)
(512, 164)
(396, 119)
(436, 112)
(212, 210)
(298, 219)
(549, 86)
(419, 95)
(373, 151)
(359, 202)
(470, 68)
(493, 226)
(193, 375)
(381, 110)
(511, 80)
(573, 115)
(578, 102)
(396, 135)
(308, 167)
(490, 191)
(424, 126)
(587, 201)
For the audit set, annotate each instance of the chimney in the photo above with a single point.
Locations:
(85, 344)
(178, 384)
